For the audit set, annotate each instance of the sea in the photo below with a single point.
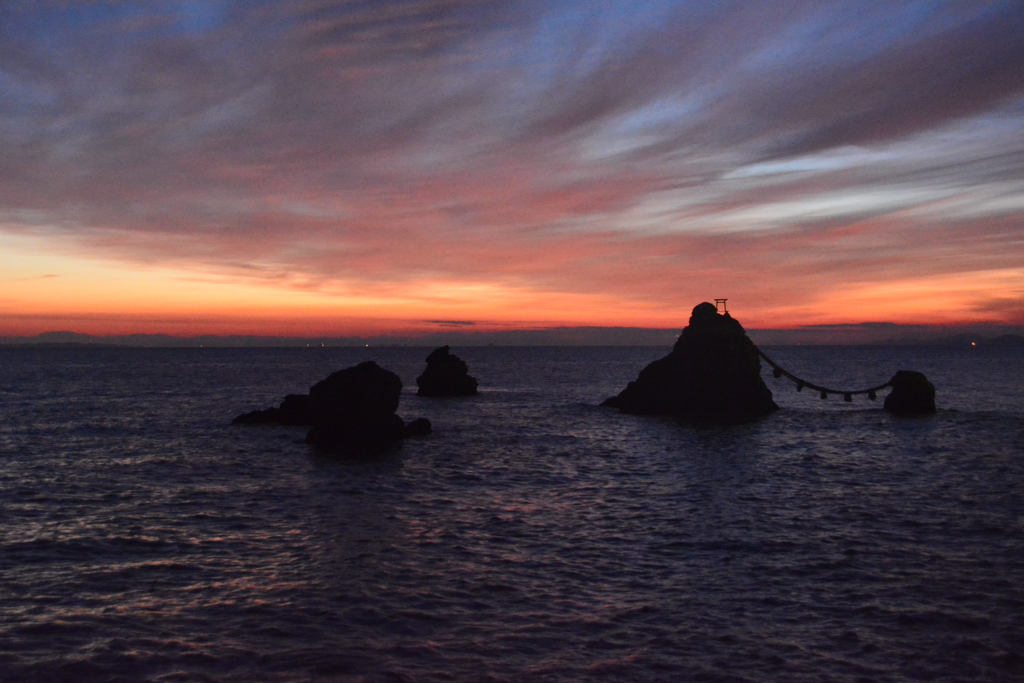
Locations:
(533, 536)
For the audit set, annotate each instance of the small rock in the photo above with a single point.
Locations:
(350, 413)
(446, 375)
(294, 410)
(257, 417)
(912, 394)
(418, 427)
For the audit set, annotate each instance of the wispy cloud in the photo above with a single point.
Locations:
(647, 151)
(35, 277)
(453, 323)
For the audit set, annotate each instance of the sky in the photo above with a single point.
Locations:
(401, 167)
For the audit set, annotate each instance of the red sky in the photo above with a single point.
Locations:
(330, 168)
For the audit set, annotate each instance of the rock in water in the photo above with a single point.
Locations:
(354, 410)
(418, 427)
(356, 434)
(365, 388)
(912, 394)
(294, 410)
(446, 375)
(713, 374)
(350, 413)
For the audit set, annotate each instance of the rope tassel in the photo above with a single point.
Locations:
(778, 371)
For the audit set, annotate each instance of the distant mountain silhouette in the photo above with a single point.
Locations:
(557, 336)
(1005, 341)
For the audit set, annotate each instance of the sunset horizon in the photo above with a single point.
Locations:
(401, 168)
(511, 341)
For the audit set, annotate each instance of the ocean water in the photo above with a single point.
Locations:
(532, 537)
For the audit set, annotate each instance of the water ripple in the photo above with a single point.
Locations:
(534, 535)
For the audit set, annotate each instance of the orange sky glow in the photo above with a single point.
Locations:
(257, 172)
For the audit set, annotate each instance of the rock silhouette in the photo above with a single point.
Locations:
(365, 388)
(446, 375)
(351, 412)
(912, 394)
(294, 410)
(418, 427)
(713, 374)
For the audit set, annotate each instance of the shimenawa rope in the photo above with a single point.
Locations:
(779, 371)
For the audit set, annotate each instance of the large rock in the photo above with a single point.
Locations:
(446, 375)
(357, 434)
(912, 394)
(713, 374)
(364, 388)
(351, 413)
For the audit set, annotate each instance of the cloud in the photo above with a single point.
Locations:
(37, 277)
(645, 151)
(917, 83)
(842, 326)
(452, 323)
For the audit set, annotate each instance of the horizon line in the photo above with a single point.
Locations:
(854, 334)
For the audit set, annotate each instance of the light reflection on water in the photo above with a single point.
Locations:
(532, 535)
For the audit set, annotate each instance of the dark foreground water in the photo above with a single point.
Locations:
(532, 537)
